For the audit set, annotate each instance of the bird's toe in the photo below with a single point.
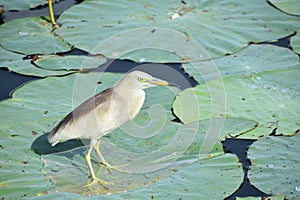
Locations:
(117, 168)
(98, 181)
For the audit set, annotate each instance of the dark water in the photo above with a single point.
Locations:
(9, 81)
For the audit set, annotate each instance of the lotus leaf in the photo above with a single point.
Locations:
(275, 168)
(269, 98)
(218, 31)
(287, 6)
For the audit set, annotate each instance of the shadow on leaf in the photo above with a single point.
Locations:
(41, 145)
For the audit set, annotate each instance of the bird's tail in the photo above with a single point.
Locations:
(52, 139)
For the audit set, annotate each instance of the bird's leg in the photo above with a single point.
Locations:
(100, 156)
(103, 161)
(93, 176)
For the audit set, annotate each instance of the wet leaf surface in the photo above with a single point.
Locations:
(257, 84)
(276, 170)
(287, 6)
(269, 98)
(21, 5)
(33, 36)
(295, 42)
(218, 31)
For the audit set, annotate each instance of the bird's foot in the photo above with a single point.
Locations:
(98, 181)
(117, 168)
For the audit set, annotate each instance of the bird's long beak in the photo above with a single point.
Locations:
(161, 82)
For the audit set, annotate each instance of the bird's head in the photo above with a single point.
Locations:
(144, 80)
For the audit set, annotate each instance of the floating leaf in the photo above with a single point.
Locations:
(295, 42)
(248, 61)
(188, 182)
(33, 110)
(20, 166)
(287, 6)
(48, 100)
(21, 5)
(271, 99)
(248, 198)
(38, 106)
(231, 127)
(69, 62)
(33, 36)
(156, 44)
(16, 62)
(147, 166)
(275, 168)
(218, 31)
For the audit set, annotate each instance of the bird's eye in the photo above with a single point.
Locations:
(143, 80)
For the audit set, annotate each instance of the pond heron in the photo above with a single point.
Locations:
(104, 112)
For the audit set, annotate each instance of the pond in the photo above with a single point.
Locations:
(229, 131)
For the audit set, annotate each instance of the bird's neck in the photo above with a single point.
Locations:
(126, 88)
(130, 98)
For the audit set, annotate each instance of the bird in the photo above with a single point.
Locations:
(104, 112)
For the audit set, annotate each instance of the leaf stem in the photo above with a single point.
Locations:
(54, 25)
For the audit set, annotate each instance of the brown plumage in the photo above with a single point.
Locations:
(83, 109)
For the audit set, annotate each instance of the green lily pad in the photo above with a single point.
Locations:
(295, 42)
(287, 6)
(16, 62)
(153, 162)
(31, 36)
(54, 62)
(20, 166)
(21, 5)
(271, 99)
(279, 197)
(231, 127)
(160, 44)
(38, 106)
(275, 168)
(218, 31)
(188, 182)
(259, 198)
(205, 143)
(248, 198)
(248, 61)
